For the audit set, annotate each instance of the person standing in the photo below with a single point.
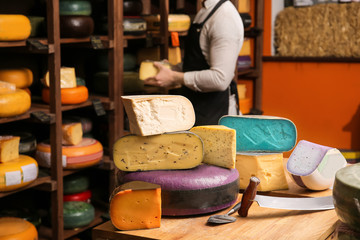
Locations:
(212, 46)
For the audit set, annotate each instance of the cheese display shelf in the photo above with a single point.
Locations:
(37, 182)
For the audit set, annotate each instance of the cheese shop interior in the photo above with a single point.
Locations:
(74, 59)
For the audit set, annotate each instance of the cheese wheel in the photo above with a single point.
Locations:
(74, 7)
(82, 196)
(134, 25)
(18, 173)
(13, 228)
(177, 22)
(76, 95)
(75, 184)
(243, 63)
(77, 214)
(22, 78)
(14, 27)
(76, 26)
(132, 7)
(14, 103)
(27, 214)
(200, 190)
(88, 153)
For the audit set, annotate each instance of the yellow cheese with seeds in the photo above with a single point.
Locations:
(219, 144)
(9, 148)
(67, 78)
(268, 167)
(72, 133)
(180, 150)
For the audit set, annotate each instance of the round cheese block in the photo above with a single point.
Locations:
(82, 196)
(78, 214)
(177, 22)
(75, 95)
(14, 27)
(74, 7)
(132, 7)
(18, 173)
(75, 184)
(14, 103)
(134, 25)
(200, 190)
(76, 26)
(12, 228)
(346, 194)
(22, 78)
(87, 153)
(27, 143)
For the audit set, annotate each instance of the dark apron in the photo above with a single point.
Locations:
(210, 106)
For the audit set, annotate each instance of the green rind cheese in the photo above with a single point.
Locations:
(75, 8)
(78, 214)
(346, 193)
(75, 184)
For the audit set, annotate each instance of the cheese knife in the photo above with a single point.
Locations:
(309, 204)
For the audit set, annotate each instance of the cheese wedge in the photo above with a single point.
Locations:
(72, 133)
(9, 148)
(136, 205)
(180, 150)
(67, 78)
(156, 114)
(219, 145)
(148, 70)
(268, 167)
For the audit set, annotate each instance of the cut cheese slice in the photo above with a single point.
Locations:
(13, 228)
(14, 27)
(259, 133)
(14, 103)
(313, 166)
(72, 133)
(67, 78)
(18, 173)
(219, 145)
(268, 167)
(87, 153)
(9, 148)
(148, 70)
(75, 95)
(156, 114)
(179, 150)
(136, 205)
(22, 77)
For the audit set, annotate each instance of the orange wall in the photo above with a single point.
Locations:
(322, 99)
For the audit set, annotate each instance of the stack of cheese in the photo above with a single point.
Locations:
(77, 152)
(14, 27)
(183, 163)
(16, 170)
(71, 93)
(75, 19)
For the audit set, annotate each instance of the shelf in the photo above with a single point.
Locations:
(311, 59)
(37, 182)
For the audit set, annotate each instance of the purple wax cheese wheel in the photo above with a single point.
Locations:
(200, 190)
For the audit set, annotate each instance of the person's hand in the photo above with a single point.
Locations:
(165, 77)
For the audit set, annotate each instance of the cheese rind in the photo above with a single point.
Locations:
(14, 27)
(148, 70)
(179, 150)
(14, 228)
(77, 214)
(313, 166)
(72, 133)
(67, 78)
(14, 103)
(22, 78)
(259, 133)
(9, 148)
(136, 205)
(75, 95)
(268, 167)
(219, 145)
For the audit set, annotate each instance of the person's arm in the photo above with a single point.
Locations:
(166, 77)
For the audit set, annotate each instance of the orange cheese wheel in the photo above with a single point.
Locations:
(14, 27)
(87, 153)
(13, 228)
(18, 173)
(14, 103)
(22, 77)
(75, 95)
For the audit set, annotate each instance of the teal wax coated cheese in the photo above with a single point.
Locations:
(258, 133)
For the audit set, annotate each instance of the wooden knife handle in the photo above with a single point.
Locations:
(248, 196)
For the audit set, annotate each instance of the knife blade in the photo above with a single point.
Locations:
(309, 204)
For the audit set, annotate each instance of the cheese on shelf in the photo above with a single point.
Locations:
(82, 196)
(313, 166)
(14, 228)
(74, 7)
(18, 173)
(77, 214)
(72, 133)
(14, 27)
(67, 78)
(22, 78)
(136, 205)
(6, 87)
(176, 22)
(148, 70)
(14, 103)
(75, 95)
(76, 183)
(246, 48)
(219, 144)
(259, 133)
(9, 148)
(156, 114)
(178, 150)
(268, 167)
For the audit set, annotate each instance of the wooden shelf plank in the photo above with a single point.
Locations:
(13, 44)
(37, 182)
